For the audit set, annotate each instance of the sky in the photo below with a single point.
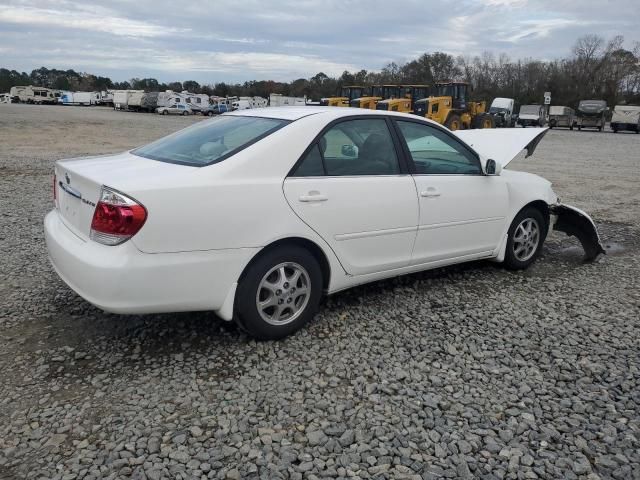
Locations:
(233, 41)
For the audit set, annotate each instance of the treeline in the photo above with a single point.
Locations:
(596, 68)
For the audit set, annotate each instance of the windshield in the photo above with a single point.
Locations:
(210, 141)
(497, 110)
(530, 109)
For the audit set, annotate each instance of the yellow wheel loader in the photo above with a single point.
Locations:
(347, 94)
(449, 107)
(407, 96)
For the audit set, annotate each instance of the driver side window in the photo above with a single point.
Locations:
(436, 153)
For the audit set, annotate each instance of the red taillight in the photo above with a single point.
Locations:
(117, 218)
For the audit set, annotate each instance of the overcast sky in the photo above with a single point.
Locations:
(224, 40)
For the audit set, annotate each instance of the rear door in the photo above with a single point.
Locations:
(352, 189)
(462, 211)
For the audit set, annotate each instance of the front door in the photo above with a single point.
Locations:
(462, 211)
(349, 188)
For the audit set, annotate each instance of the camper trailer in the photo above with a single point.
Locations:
(149, 102)
(5, 98)
(35, 95)
(135, 100)
(278, 100)
(121, 98)
(169, 98)
(561, 117)
(197, 101)
(502, 110)
(625, 117)
(591, 114)
(531, 116)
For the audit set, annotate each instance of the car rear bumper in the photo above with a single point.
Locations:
(121, 279)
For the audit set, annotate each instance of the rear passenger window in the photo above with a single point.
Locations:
(312, 165)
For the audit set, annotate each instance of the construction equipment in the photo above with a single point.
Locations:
(347, 94)
(449, 107)
(370, 99)
(405, 99)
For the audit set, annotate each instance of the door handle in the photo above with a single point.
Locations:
(313, 197)
(430, 192)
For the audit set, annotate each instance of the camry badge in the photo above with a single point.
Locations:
(66, 177)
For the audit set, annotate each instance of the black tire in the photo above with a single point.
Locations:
(246, 309)
(571, 127)
(184, 114)
(453, 123)
(579, 128)
(165, 112)
(511, 261)
(484, 120)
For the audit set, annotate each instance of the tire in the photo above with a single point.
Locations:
(571, 127)
(165, 112)
(184, 114)
(453, 123)
(599, 129)
(484, 121)
(579, 128)
(269, 323)
(522, 251)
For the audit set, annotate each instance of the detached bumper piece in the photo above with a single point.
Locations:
(574, 222)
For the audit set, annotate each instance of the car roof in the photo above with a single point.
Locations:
(295, 113)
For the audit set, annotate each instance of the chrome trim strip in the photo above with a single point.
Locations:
(70, 190)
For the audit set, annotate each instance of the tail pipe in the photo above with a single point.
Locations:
(574, 222)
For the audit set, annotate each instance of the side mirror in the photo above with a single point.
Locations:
(492, 167)
(349, 151)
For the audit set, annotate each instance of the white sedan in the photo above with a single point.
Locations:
(258, 213)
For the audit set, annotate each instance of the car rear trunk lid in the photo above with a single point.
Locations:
(79, 182)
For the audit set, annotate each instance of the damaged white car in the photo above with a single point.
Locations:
(258, 213)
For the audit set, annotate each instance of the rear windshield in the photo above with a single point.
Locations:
(529, 109)
(210, 141)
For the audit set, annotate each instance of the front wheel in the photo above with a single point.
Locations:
(525, 238)
(453, 123)
(279, 293)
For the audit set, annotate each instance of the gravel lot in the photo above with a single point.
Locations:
(464, 372)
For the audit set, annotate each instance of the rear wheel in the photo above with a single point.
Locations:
(453, 122)
(525, 238)
(184, 114)
(279, 293)
(165, 112)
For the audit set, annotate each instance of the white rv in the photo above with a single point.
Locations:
(170, 98)
(5, 98)
(197, 101)
(36, 95)
(278, 100)
(625, 117)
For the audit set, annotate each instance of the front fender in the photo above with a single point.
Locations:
(574, 222)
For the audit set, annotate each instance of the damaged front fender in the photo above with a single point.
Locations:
(576, 223)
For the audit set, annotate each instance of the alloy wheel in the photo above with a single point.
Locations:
(283, 293)
(526, 239)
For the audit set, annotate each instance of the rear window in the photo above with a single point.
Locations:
(210, 141)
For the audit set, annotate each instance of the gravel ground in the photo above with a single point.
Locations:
(463, 372)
